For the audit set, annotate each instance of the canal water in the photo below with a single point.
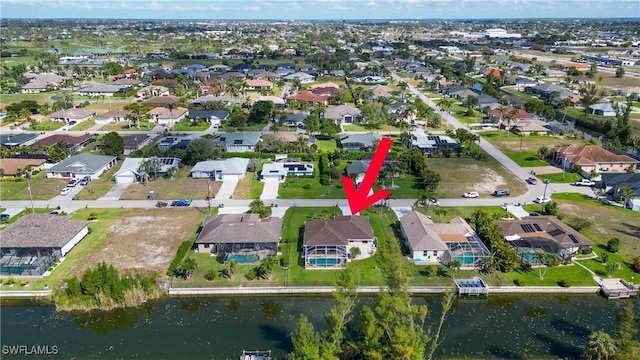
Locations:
(498, 327)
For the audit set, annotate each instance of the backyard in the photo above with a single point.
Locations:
(188, 125)
(41, 188)
(182, 186)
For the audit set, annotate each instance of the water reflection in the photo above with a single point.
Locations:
(102, 322)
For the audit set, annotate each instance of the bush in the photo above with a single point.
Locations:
(613, 245)
(251, 274)
(210, 275)
(93, 216)
(519, 282)
(636, 267)
(469, 112)
(50, 268)
(24, 282)
(604, 257)
(563, 283)
(284, 260)
(11, 280)
(306, 186)
(182, 251)
(324, 179)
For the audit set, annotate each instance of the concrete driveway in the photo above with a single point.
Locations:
(270, 190)
(227, 189)
(116, 191)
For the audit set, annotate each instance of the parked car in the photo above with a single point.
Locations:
(162, 204)
(498, 193)
(181, 203)
(433, 202)
(532, 181)
(584, 182)
(85, 181)
(541, 200)
(4, 217)
(72, 122)
(73, 183)
(471, 194)
(65, 191)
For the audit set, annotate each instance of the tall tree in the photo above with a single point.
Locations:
(600, 346)
(112, 144)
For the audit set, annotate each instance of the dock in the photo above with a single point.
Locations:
(617, 289)
(475, 286)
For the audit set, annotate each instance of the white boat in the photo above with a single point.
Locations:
(256, 355)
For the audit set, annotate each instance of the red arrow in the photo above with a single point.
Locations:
(360, 199)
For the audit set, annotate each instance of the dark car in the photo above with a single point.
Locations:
(4, 217)
(498, 193)
(532, 181)
(181, 203)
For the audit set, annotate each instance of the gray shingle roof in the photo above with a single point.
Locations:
(337, 231)
(16, 139)
(416, 227)
(83, 163)
(239, 228)
(338, 112)
(41, 230)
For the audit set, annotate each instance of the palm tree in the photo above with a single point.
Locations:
(406, 138)
(145, 168)
(626, 192)
(171, 172)
(403, 87)
(454, 265)
(600, 346)
(392, 169)
(564, 104)
(295, 83)
(171, 106)
(510, 117)
(635, 145)
(233, 87)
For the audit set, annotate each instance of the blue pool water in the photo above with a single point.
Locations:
(528, 257)
(243, 258)
(324, 262)
(465, 259)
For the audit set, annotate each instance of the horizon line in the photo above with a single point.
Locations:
(334, 19)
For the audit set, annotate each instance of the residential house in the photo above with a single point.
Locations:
(165, 116)
(293, 138)
(592, 158)
(267, 75)
(523, 82)
(214, 117)
(308, 96)
(210, 98)
(578, 66)
(79, 166)
(102, 90)
(161, 100)
(14, 140)
(359, 167)
(583, 80)
(232, 75)
(343, 114)
(239, 237)
(77, 115)
(277, 102)
(12, 166)
(238, 141)
(232, 168)
(153, 90)
(602, 109)
(324, 90)
(612, 183)
(42, 82)
(129, 171)
(176, 142)
(303, 77)
(435, 144)
(326, 243)
(439, 243)
(285, 166)
(626, 91)
(545, 234)
(292, 119)
(32, 243)
(113, 116)
(128, 82)
(133, 143)
(74, 143)
(258, 84)
(547, 90)
(358, 142)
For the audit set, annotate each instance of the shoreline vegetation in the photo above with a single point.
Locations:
(105, 288)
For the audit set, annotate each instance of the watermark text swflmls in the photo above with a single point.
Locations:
(27, 350)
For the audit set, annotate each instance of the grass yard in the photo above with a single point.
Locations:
(326, 146)
(460, 175)
(139, 240)
(353, 127)
(8, 99)
(187, 125)
(180, 187)
(530, 143)
(103, 107)
(249, 187)
(41, 188)
(47, 125)
(526, 158)
(573, 274)
(124, 126)
(558, 177)
(84, 125)
(98, 188)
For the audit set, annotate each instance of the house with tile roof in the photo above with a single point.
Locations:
(602, 109)
(73, 114)
(10, 166)
(161, 100)
(439, 243)
(258, 84)
(545, 234)
(241, 235)
(41, 82)
(326, 243)
(32, 243)
(308, 96)
(166, 116)
(303, 77)
(592, 158)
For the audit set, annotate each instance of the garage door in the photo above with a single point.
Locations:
(230, 177)
(124, 179)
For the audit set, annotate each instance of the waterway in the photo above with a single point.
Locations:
(498, 327)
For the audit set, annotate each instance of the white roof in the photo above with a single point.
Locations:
(274, 169)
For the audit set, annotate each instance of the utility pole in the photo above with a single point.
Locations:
(563, 166)
(209, 194)
(29, 188)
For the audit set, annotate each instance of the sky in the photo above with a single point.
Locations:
(319, 9)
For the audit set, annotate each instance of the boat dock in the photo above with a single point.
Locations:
(475, 286)
(617, 289)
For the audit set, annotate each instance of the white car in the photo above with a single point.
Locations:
(433, 202)
(584, 182)
(73, 183)
(471, 194)
(541, 200)
(65, 191)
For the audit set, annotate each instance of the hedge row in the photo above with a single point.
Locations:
(185, 246)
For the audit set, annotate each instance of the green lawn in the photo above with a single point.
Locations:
(84, 125)
(249, 187)
(558, 177)
(187, 125)
(573, 274)
(294, 188)
(48, 125)
(526, 158)
(353, 127)
(124, 126)
(326, 146)
(98, 188)
(41, 188)
(7, 99)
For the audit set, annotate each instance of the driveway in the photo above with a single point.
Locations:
(227, 189)
(116, 191)
(270, 190)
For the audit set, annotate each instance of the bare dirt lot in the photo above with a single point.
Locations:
(145, 239)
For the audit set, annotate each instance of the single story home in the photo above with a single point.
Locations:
(358, 142)
(545, 234)
(113, 116)
(129, 171)
(239, 237)
(166, 116)
(439, 243)
(258, 84)
(214, 117)
(602, 109)
(303, 77)
(102, 90)
(278, 102)
(612, 183)
(13, 140)
(592, 158)
(10, 166)
(74, 143)
(32, 243)
(77, 115)
(153, 90)
(135, 142)
(42, 82)
(284, 166)
(238, 141)
(79, 166)
(308, 96)
(326, 243)
(161, 100)
(343, 114)
(529, 126)
(211, 98)
(232, 168)
(435, 144)
(176, 142)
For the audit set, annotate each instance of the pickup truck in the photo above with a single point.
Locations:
(584, 182)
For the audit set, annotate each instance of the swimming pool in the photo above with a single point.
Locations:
(240, 259)
(466, 259)
(324, 262)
